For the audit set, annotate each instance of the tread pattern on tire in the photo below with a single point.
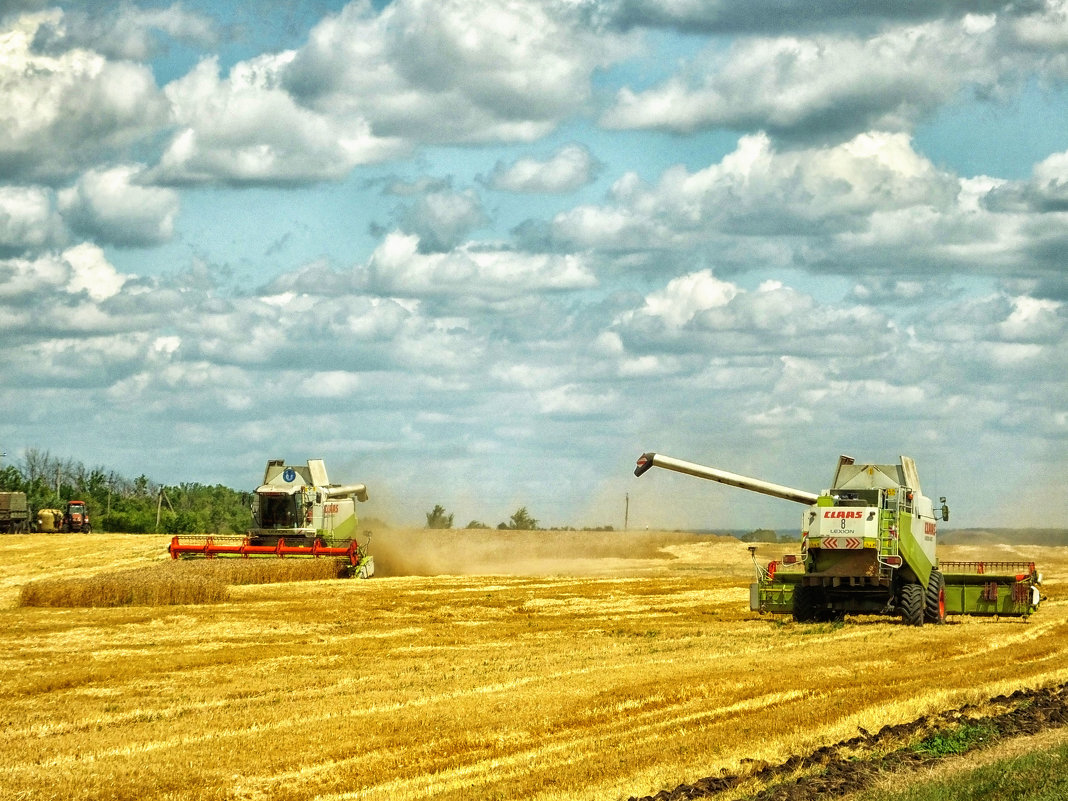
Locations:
(936, 588)
(806, 599)
(913, 605)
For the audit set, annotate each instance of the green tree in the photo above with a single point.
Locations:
(476, 524)
(521, 521)
(140, 486)
(11, 479)
(436, 518)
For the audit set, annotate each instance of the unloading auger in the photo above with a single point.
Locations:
(296, 511)
(868, 546)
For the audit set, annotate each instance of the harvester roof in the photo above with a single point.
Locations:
(285, 477)
(876, 476)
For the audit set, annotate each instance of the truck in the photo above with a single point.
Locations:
(869, 546)
(14, 514)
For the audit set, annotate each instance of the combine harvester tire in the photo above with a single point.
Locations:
(936, 598)
(912, 604)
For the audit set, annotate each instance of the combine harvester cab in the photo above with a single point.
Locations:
(868, 546)
(296, 511)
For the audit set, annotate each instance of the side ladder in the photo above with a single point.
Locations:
(888, 542)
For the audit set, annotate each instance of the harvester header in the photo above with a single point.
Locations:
(296, 511)
(868, 546)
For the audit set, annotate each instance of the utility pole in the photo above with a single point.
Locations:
(626, 512)
(159, 505)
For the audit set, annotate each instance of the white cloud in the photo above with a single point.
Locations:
(1051, 177)
(1045, 27)
(569, 400)
(28, 218)
(442, 219)
(331, 384)
(700, 314)
(433, 71)
(112, 206)
(59, 113)
(779, 417)
(127, 32)
(247, 129)
(758, 190)
(528, 376)
(1034, 320)
(683, 297)
(22, 278)
(1046, 191)
(38, 281)
(566, 170)
(758, 16)
(397, 267)
(811, 87)
(91, 272)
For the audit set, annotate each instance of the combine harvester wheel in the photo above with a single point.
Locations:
(936, 598)
(912, 604)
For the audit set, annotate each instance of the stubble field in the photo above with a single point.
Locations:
(535, 665)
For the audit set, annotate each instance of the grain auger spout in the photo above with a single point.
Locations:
(296, 511)
(357, 491)
(868, 546)
(648, 460)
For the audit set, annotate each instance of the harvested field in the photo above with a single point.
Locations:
(562, 666)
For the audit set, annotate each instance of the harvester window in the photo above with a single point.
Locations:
(278, 511)
(857, 498)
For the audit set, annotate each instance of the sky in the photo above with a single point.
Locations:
(485, 254)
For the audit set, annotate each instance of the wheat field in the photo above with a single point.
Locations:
(488, 665)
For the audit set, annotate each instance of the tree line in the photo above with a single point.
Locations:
(520, 521)
(118, 503)
(141, 506)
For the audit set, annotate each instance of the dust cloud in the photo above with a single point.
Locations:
(435, 552)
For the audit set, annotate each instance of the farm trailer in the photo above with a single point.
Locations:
(14, 515)
(868, 546)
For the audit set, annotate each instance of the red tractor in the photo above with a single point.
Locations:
(76, 518)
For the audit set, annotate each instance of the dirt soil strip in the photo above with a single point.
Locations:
(855, 764)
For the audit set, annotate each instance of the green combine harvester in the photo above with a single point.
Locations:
(296, 512)
(868, 546)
